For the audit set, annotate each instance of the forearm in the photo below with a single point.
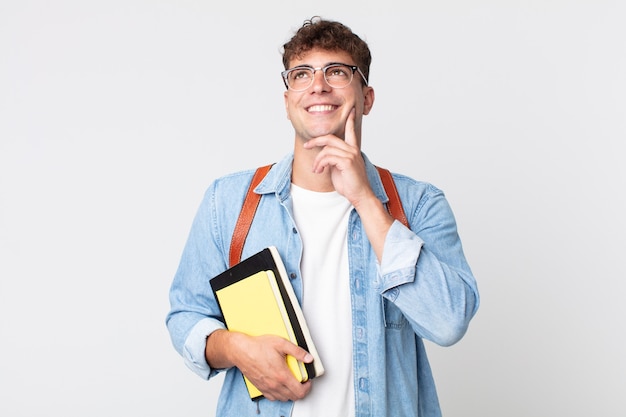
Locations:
(435, 291)
(376, 222)
(439, 303)
(219, 349)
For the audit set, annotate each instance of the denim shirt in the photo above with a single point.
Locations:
(422, 289)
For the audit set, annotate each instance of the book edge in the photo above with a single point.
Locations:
(282, 272)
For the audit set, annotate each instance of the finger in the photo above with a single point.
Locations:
(289, 392)
(333, 158)
(298, 353)
(322, 141)
(350, 133)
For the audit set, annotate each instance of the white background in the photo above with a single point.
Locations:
(115, 116)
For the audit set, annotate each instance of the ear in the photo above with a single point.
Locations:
(368, 99)
(285, 97)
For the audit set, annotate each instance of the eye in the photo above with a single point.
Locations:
(338, 71)
(300, 74)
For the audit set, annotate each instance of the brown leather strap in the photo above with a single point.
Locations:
(394, 205)
(246, 215)
(252, 199)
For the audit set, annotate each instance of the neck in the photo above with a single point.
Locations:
(302, 174)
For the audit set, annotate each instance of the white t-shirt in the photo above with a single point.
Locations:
(322, 221)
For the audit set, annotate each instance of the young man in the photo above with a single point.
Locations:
(371, 289)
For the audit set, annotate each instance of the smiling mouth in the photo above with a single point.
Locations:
(321, 108)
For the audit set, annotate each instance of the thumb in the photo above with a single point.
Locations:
(299, 353)
(303, 356)
(285, 347)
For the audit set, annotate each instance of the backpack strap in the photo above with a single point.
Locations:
(394, 205)
(251, 202)
(246, 215)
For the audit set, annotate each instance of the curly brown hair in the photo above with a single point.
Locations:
(331, 36)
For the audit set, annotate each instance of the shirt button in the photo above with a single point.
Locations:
(363, 384)
(293, 275)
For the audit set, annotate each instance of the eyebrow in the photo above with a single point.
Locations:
(325, 65)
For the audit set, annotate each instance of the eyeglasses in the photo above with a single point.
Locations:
(337, 75)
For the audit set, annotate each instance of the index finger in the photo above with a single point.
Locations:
(350, 134)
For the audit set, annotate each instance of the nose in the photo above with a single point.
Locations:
(319, 82)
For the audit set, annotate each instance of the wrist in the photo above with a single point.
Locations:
(217, 349)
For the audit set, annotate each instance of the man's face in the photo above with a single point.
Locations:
(321, 109)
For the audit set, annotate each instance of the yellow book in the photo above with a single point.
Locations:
(251, 306)
(256, 298)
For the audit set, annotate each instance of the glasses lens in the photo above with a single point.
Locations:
(300, 79)
(338, 76)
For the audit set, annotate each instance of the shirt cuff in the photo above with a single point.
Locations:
(195, 346)
(400, 253)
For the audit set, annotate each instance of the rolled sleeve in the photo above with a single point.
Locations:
(400, 253)
(195, 345)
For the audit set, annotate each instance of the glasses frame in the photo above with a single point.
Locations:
(354, 68)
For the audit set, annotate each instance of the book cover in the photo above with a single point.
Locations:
(256, 297)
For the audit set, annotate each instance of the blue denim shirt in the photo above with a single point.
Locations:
(422, 289)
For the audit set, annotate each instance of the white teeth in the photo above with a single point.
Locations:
(326, 107)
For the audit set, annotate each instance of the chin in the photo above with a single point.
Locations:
(323, 132)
